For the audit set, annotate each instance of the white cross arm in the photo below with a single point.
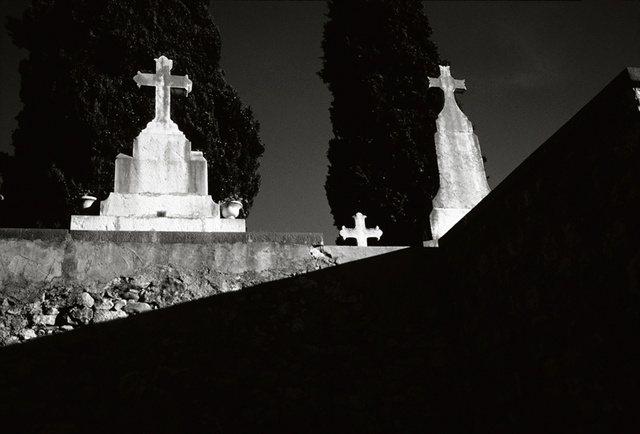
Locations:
(144, 79)
(181, 82)
(433, 82)
(375, 233)
(437, 82)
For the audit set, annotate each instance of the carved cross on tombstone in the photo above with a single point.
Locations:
(360, 232)
(163, 82)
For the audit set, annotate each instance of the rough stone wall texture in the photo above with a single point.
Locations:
(54, 280)
(525, 319)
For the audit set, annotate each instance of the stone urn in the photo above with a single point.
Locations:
(87, 201)
(231, 209)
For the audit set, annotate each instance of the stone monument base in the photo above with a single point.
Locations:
(159, 224)
(159, 205)
(443, 219)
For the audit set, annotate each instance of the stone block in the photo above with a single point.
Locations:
(104, 304)
(122, 179)
(108, 315)
(136, 307)
(86, 300)
(45, 320)
(198, 174)
(159, 205)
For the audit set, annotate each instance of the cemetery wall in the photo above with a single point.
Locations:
(57, 280)
(547, 278)
(359, 347)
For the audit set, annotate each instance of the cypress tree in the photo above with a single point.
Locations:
(377, 59)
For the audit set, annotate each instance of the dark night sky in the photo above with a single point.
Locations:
(528, 66)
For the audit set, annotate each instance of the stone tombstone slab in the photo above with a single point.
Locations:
(163, 186)
(360, 232)
(463, 182)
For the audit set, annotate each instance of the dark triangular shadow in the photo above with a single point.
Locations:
(344, 347)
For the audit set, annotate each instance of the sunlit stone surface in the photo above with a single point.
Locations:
(463, 182)
(360, 232)
(163, 186)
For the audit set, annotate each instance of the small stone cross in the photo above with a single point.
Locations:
(163, 82)
(446, 82)
(360, 232)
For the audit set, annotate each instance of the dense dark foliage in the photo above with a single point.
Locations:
(82, 106)
(377, 59)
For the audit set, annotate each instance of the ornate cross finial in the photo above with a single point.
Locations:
(360, 232)
(163, 82)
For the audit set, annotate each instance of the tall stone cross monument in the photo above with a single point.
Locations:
(163, 186)
(463, 182)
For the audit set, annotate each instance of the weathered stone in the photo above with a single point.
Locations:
(360, 232)
(45, 319)
(104, 304)
(463, 182)
(35, 308)
(27, 334)
(67, 327)
(136, 307)
(163, 186)
(86, 300)
(108, 315)
(131, 295)
(52, 310)
(82, 315)
(119, 304)
(11, 340)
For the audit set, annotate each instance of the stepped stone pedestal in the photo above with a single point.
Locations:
(463, 182)
(163, 186)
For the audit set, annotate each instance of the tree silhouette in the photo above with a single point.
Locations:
(377, 59)
(82, 106)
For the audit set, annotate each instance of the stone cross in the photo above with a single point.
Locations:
(451, 118)
(463, 182)
(446, 82)
(360, 232)
(163, 82)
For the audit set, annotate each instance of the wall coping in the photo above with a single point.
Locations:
(286, 238)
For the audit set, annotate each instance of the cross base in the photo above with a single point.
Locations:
(158, 127)
(152, 205)
(443, 219)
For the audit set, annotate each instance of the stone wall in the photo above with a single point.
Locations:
(56, 280)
